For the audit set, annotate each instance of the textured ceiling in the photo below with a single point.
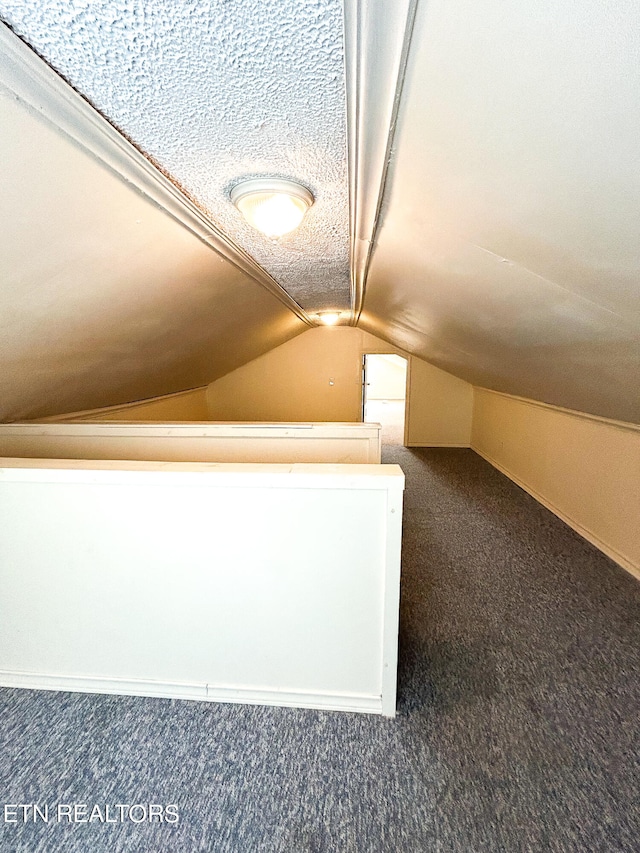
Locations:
(507, 248)
(214, 92)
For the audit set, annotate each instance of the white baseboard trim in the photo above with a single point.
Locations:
(587, 534)
(195, 691)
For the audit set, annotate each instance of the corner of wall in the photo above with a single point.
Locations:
(439, 407)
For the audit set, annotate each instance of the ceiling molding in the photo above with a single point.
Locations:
(377, 37)
(31, 81)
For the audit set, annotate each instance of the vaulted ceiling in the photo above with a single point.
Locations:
(475, 167)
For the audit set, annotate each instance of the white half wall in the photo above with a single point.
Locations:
(195, 442)
(584, 469)
(270, 584)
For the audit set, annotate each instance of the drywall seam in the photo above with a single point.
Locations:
(619, 558)
(554, 283)
(29, 79)
(120, 407)
(377, 38)
(624, 425)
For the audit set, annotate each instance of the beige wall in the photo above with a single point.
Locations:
(440, 407)
(185, 406)
(585, 469)
(293, 383)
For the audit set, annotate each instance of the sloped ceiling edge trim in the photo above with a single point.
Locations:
(574, 413)
(29, 79)
(377, 38)
(88, 414)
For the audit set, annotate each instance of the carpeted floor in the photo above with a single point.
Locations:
(390, 415)
(517, 727)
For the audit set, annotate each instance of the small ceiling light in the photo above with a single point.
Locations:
(272, 205)
(329, 318)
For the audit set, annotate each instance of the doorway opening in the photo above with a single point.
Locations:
(384, 392)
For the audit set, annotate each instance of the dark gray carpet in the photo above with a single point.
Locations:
(517, 726)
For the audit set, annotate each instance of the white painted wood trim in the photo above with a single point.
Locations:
(391, 598)
(407, 403)
(377, 36)
(29, 79)
(220, 475)
(251, 429)
(585, 532)
(194, 691)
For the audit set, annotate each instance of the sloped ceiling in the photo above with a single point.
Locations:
(104, 298)
(506, 249)
(509, 247)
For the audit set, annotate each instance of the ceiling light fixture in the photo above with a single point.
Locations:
(272, 205)
(329, 318)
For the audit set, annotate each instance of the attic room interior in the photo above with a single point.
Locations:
(239, 611)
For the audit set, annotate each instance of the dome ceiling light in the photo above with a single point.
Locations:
(272, 205)
(329, 318)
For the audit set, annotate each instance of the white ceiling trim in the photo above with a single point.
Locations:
(29, 79)
(377, 37)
